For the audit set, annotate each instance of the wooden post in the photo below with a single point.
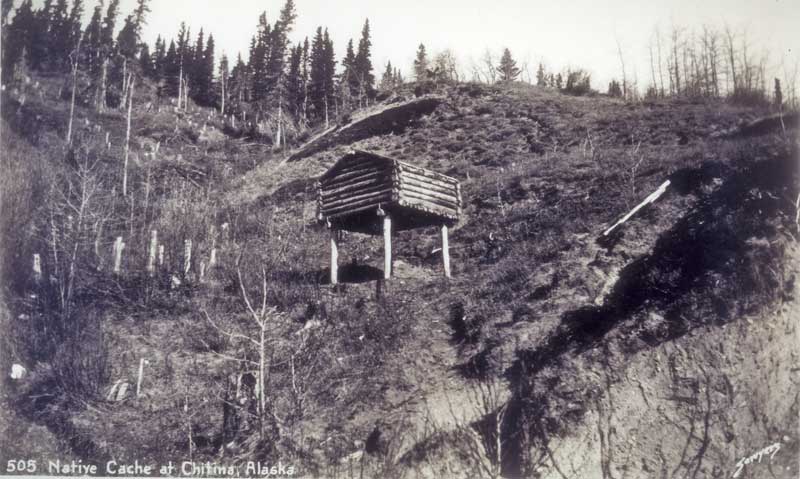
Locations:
(212, 260)
(387, 247)
(151, 254)
(334, 256)
(118, 247)
(187, 256)
(37, 268)
(445, 252)
(160, 255)
(139, 378)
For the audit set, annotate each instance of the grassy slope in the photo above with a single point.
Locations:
(542, 174)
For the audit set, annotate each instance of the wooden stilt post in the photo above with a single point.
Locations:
(387, 246)
(445, 252)
(334, 256)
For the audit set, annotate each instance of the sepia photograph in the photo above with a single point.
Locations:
(414, 239)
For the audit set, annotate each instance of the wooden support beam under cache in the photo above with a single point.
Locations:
(445, 252)
(387, 246)
(334, 256)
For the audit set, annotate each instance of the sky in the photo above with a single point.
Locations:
(562, 34)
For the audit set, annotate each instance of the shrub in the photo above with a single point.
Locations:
(578, 83)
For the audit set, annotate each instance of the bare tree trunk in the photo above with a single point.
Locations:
(660, 61)
(652, 68)
(624, 76)
(326, 111)
(676, 61)
(279, 133)
(124, 79)
(262, 376)
(222, 101)
(100, 98)
(127, 140)
(180, 85)
(729, 36)
(74, 87)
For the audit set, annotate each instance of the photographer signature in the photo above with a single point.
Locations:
(772, 449)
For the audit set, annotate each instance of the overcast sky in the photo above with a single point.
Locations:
(578, 33)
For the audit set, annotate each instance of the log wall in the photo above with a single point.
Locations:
(363, 181)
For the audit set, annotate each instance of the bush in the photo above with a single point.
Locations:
(578, 83)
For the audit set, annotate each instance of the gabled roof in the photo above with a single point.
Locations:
(355, 156)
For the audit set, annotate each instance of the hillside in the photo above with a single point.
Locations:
(668, 349)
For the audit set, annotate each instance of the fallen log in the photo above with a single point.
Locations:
(650, 199)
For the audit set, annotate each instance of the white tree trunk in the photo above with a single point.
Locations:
(127, 141)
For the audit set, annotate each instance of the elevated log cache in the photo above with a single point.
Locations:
(373, 194)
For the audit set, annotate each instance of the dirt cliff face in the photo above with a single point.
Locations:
(688, 366)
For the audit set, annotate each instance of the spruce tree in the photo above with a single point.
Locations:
(127, 41)
(38, 42)
(207, 93)
(158, 59)
(171, 70)
(59, 38)
(329, 63)
(194, 68)
(224, 83)
(321, 75)
(421, 64)
(278, 46)
(508, 67)
(183, 62)
(363, 65)
(75, 27)
(139, 16)
(93, 39)
(305, 71)
(20, 34)
(109, 22)
(541, 76)
(238, 86)
(388, 78)
(349, 75)
(259, 54)
(129, 37)
(146, 61)
(294, 81)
